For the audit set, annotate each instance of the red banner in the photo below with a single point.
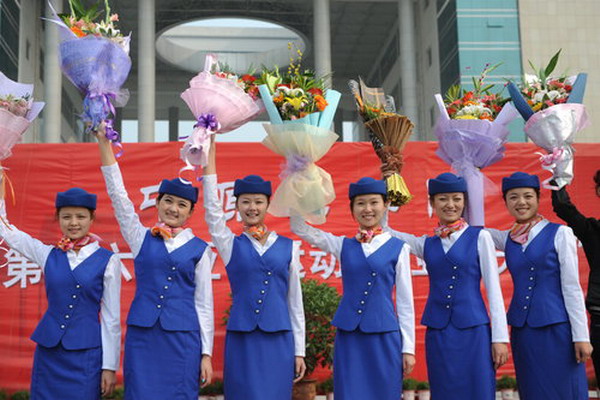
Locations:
(38, 171)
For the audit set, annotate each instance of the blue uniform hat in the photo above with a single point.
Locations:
(76, 197)
(520, 180)
(367, 185)
(177, 188)
(252, 184)
(447, 183)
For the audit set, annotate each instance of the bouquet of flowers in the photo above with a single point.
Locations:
(388, 132)
(472, 130)
(221, 102)
(553, 110)
(17, 111)
(301, 112)
(95, 58)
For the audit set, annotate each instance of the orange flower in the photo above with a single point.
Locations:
(78, 32)
(321, 102)
(279, 98)
(302, 114)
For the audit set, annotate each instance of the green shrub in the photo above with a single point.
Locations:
(20, 395)
(325, 386)
(320, 303)
(216, 387)
(506, 382)
(409, 384)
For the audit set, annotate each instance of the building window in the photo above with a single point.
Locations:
(432, 116)
(9, 38)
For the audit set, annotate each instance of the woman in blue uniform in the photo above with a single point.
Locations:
(170, 325)
(79, 336)
(462, 354)
(549, 334)
(374, 342)
(264, 346)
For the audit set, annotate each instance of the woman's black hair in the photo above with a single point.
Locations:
(536, 190)
(161, 195)
(597, 179)
(383, 196)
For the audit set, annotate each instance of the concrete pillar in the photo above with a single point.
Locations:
(173, 124)
(146, 70)
(408, 60)
(322, 39)
(52, 79)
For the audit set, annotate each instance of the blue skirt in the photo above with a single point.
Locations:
(64, 374)
(367, 366)
(545, 363)
(459, 363)
(259, 365)
(161, 364)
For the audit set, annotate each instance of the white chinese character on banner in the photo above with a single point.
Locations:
(122, 256)
(21, 270)
(321, 264)
(215, 277)
(147, 192)
(227, 198)
(298, 245)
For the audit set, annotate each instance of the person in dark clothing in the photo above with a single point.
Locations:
(587, 231)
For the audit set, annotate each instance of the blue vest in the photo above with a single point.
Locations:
(165, 285)
(368, 282)
(454, 283)
(259, 286)
(537, 297)
(74, 298)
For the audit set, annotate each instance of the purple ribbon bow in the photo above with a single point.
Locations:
(294, 163)
(208, 121)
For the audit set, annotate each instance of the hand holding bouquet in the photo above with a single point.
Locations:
(389, 133)
(472, 130)
(552, 109)
(301, 111)
(95, 58)
(221, 102)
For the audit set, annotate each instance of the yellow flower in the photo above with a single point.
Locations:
(537, 107)
(465, 117)
(296, 102)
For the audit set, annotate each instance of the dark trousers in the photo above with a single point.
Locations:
(595, 339)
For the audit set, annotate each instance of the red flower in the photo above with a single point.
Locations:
(248, 78)
(468, 96)
(548, 103)
(497, 108)
(315, 91)
(568, 88)
(284, 85)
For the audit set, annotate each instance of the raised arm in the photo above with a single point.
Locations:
(131, 228)
(33, 249)
(317, 237)
(566, 210)
(221, 235)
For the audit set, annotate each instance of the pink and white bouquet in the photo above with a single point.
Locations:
(553, 110)
(17, 111)
(221, 102)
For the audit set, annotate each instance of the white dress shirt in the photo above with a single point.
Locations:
(405, 308)
(488, 263)
(110, 304)
(565, 244)
(223, 237)
(134, 233)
